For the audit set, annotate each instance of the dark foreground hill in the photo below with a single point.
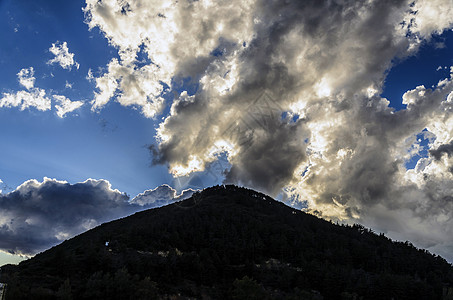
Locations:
(229, 243)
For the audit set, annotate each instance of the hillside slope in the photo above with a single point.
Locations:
(229, 243)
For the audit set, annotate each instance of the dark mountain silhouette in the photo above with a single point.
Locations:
(229, 243)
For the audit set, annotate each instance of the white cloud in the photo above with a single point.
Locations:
(37, 97)
(431, 16)
(132, 86)
(62, 56)
(160, 196)
(26, 78)
(25, 99)
(370, 184)
(65, 105)
(32, 97)
(171, 35)
(89, 76)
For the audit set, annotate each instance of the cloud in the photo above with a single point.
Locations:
(310, 67)
(172, 38)
(62, 56)
(428, 18)
(37, 97)
(25, 99)
(26, 78)
(289, 93)
(65, 105)
(32, 97)
(160, 196)
(442, 149)
(38, 215)
(359, 174)
(132, 86)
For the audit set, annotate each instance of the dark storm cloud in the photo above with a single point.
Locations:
(442, 149)
(295, 45)
(274, 149)
(38, 215)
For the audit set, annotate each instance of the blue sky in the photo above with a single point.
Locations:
(189, 79)
(109, 144)
(421, 68)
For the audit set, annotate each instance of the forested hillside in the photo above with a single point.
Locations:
(230, 243)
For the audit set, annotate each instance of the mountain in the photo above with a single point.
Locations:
(228, 242)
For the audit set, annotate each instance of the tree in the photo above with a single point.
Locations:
(247, 289)
(65, 291)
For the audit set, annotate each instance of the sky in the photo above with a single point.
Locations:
(341, 108)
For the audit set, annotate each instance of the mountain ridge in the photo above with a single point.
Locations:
(228, 242)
